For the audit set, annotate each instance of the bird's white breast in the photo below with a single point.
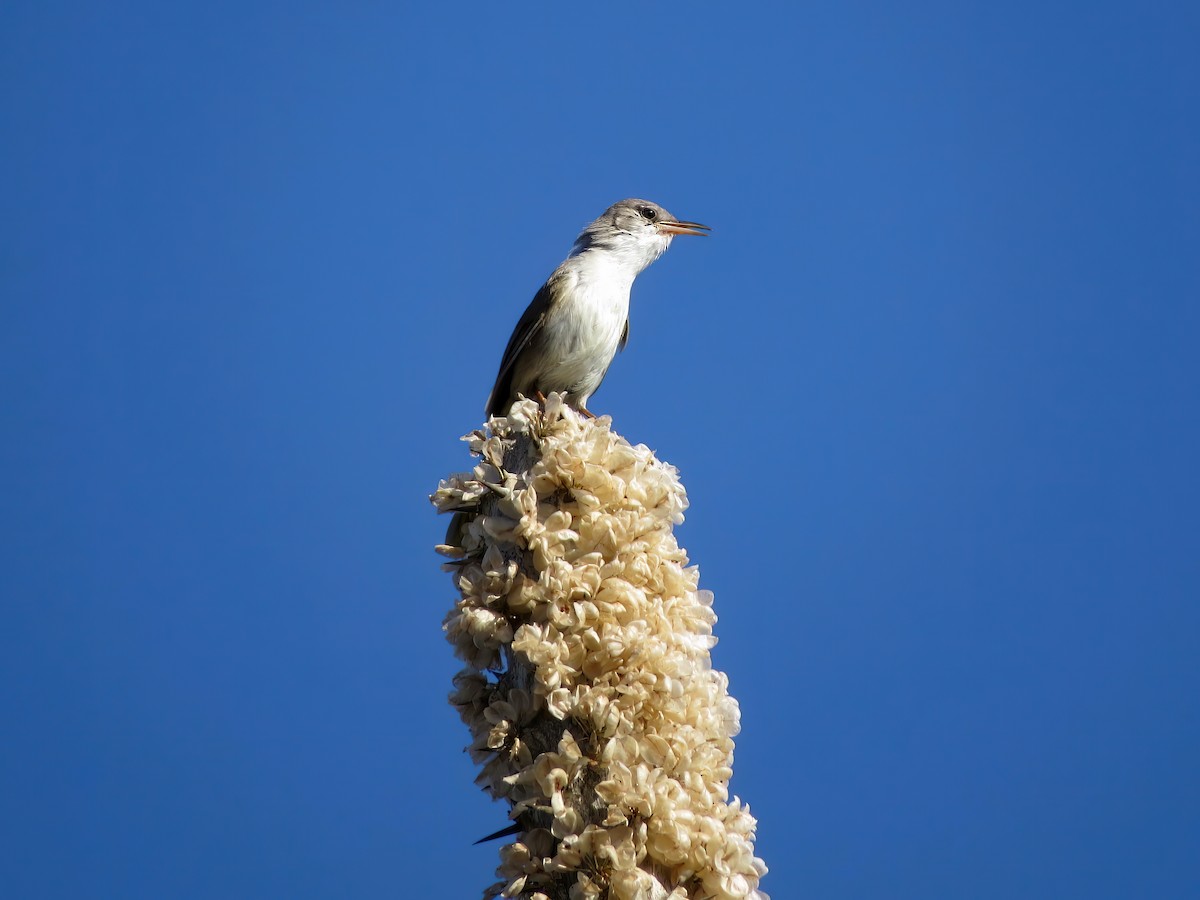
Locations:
(585, 327)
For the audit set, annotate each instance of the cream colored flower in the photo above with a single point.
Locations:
(588, 688)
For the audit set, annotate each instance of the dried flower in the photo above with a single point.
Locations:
(588, 688)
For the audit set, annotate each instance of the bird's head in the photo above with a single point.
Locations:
(638, 231)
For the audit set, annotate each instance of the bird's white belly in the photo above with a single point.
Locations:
(582, 338)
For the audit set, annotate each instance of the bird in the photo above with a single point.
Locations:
(579, 319)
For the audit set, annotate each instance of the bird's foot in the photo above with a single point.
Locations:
(541, 398)
(587, 413)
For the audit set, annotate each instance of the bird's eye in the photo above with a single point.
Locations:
(648, 213)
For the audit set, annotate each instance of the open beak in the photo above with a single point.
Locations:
(683, 228)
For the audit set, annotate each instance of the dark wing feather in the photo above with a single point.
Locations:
(530, 324)
(624, 335)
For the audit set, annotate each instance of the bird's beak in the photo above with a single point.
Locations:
(683, 228)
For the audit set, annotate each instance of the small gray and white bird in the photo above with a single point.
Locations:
(577, 322)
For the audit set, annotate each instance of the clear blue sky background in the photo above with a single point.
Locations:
(932, 386)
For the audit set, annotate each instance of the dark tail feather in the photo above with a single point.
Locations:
(499, 400)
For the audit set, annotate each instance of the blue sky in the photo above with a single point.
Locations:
(932, 386)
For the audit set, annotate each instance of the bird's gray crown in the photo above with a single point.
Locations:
(629, 228)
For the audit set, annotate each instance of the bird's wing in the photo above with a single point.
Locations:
(527, 328)
(624, 335)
